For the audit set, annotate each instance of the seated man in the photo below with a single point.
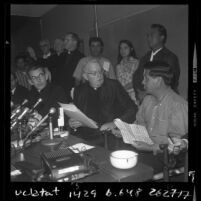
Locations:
(18, 93)
(163, 112)
(49, 93)
(102, 100)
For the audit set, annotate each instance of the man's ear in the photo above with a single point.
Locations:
(30, 82)
(84, 75)
(159, 80)
(162, 38)
(46, 75)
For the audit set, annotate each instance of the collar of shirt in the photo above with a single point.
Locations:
(154, 53)
(13, 91)
(45, 56)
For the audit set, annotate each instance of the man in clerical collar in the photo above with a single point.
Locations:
(45, 48)
(156, 39)
(18, 93)
(101, 99)
(49, 93)
(72, 57)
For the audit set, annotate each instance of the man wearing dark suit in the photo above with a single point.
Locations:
(156, 40)
(72, 57)
(49, 93)
(18, 93)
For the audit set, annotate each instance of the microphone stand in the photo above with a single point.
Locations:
(51, 141)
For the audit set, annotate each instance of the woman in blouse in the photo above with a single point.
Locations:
(126, 67)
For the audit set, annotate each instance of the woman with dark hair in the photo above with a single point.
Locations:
(126, 67)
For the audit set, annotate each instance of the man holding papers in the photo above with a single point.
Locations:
(163, 112)
(102, 100)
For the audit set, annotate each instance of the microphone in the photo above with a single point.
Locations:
(17, 110)
(24, 102)
(51, 111)
(36, 104)
(19, 117)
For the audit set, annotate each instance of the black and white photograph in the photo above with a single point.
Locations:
(99, 94)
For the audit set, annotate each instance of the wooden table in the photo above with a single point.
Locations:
(106, 173)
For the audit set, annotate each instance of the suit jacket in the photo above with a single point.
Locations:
(50, 95)
(65, 73)
(20, 94)
(164, 55)
(108, 102)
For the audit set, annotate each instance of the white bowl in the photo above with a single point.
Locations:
(123, 159)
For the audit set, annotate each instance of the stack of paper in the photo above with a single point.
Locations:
(80, 147)
(133, 132)
(73, 112)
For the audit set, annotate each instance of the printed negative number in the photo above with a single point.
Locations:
(169, 193)
(83, 194)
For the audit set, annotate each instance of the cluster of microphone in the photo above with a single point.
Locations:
(19, 113)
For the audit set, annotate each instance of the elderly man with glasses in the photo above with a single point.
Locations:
(103, 100)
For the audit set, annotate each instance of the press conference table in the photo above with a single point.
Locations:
(107, 173)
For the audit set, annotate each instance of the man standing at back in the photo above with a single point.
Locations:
(96, 50)
(73, 55)
(156, 40)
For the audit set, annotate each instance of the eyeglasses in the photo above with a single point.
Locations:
(95, 73)
(34, 78)
(44, 45)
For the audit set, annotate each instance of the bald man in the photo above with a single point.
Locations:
(102, 99)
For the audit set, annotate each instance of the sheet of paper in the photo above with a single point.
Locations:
(80, 147)
(73, 112)
(133, 132)
(14, 171)
(106, 66)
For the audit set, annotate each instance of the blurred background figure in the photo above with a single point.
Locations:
(127, 64)
(20, 70)
(18, 93)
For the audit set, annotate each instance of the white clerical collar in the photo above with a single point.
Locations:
(154, 53)
(45, 56)
(13, 91)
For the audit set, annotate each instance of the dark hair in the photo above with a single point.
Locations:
(74, 36)
(160, 69)
(34, 65)
(45, 40)
(96, 39)
(21, 56)
(162, 30)
(132, 50)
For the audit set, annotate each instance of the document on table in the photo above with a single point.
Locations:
(73, 112)
(133, 132)
(80, 147)
(14, 171)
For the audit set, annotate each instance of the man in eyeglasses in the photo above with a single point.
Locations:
(103, 100)
(50, 94)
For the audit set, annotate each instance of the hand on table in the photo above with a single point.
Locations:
(108, 126)
(116, 132)
(74, 124)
